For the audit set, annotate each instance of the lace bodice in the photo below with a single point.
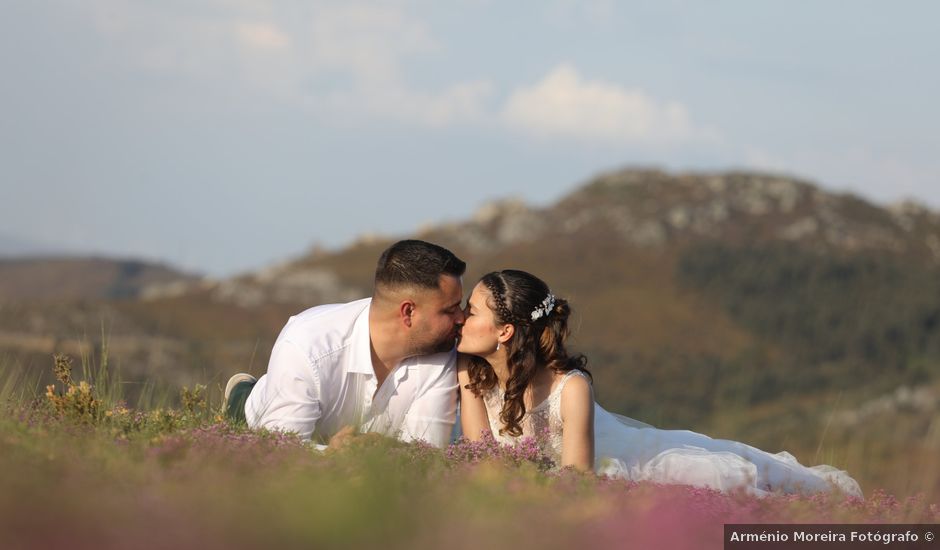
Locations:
(542, 421)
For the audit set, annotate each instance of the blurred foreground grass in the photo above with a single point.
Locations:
(80, 469)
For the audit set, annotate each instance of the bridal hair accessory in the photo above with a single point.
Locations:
(545, 308)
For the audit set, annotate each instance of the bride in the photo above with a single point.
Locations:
(517, 379)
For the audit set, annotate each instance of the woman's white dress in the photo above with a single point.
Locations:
(633, 450)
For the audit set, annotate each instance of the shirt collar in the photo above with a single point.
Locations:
(360, 345)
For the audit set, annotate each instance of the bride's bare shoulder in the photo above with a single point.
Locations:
(577, 399)
(575, 387)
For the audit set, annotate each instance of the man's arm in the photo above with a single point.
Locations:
(287, 398)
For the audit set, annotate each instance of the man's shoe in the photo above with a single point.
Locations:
(236, 394)
(235, 380)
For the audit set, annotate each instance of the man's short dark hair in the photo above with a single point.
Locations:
(416, 263)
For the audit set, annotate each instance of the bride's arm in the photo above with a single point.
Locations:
(577, 419)
(473, 419)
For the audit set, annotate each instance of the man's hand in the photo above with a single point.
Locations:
(348, 435)
(342, 437)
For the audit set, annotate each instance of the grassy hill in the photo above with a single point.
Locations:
(748, 306)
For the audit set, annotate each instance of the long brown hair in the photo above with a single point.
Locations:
(536, 343)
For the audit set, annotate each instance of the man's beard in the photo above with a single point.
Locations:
(445, 345)
(441, 345)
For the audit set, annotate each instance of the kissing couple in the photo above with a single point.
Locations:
(398, 363)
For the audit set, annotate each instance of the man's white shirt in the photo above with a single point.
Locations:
(320, 378)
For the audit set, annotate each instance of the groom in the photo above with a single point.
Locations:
(384, 364)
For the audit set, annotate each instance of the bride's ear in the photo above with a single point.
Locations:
(506, 333)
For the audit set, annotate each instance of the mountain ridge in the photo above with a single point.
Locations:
(68, 278)
(646, 209)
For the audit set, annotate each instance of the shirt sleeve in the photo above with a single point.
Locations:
(287, 398)
(432, 415)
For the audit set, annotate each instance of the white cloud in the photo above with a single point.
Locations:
(367, 41)
(459, 104)
(263, 36)
(462, 103)
(370, 44)
(342, 61)
(564, 105)
(227, 44)
(345, 62)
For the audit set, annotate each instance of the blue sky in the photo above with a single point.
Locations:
(224, 135)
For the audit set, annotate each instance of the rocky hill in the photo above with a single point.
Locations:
(639, 210)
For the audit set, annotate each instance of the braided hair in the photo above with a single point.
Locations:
(538, 340)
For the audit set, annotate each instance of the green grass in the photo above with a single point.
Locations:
(112, 476)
